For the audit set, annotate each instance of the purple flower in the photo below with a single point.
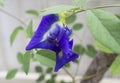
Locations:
(56, 40)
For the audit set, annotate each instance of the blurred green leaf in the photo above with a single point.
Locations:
(118, 16)
(14, 34)
(38, 69)
(102, 47)
(115, 67)
(105, 28)
(2, 2)
(49, 70)
(90, 51)
(70, 19)
(46, 57)
(41, 78)
(77, 26)
(29, 30)
(26, 62)
(67, 65)
(83, 2)
(50, 81)
(33, 12)
(54, 76)
(56, 9)
(79, 49)
(20, 57)
(62, 81)
(11, 74)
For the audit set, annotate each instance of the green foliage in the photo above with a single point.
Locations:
(14, 34)
(33, 12)
(38, 69)
(11, 74)
(70, 19)
(49, 70)
(26, 61)
(56, 9)
(46, 57)
(2, 2)
(81, 2)
(102, 47)
(105, 28)
(62, 81)
(29, 30)
(90, 51)
(79, 49)
(115, 67)
(20, 57)
(77, 26)
(41, 78)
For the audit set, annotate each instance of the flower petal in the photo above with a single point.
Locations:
(43, 27)
(61, 61)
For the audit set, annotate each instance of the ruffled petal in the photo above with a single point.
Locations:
(43, 27)
(61, 61)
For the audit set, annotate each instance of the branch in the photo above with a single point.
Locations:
(98, 67)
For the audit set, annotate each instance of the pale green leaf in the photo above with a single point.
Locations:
(80, 2)
(14, 34)
(29, 30)
(56, 9)
(115, 67)
(102, 47)
(91, 51)
(46, 57)
(11, 74)
(77, 26)
(70, 19)
(83, 2)
(79, 49)
(32, 12)
(20, 57)
(26, 62)
(105, 28)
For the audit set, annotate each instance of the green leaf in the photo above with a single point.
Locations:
(46, 57)
(20, 57)
(105, 28)
(102, 47)
(2, 2)
(77, 26)
(49, 70)
(62, 81)
(11, 74)
(38, 69)
(41, 78)
(118, 16)
(26, 62)
(83, 2)
(79, 49)
(33, 12)
(56, 9)
(70, 19)
(29, 30)
(14, 34)
(115, 67)
(90, 51)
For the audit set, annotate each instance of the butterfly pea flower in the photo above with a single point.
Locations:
(55, 36)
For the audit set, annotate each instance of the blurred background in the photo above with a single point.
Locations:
(8, 53)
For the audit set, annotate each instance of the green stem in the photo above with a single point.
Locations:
(98, 7)
(16, 18)
(73, 79)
